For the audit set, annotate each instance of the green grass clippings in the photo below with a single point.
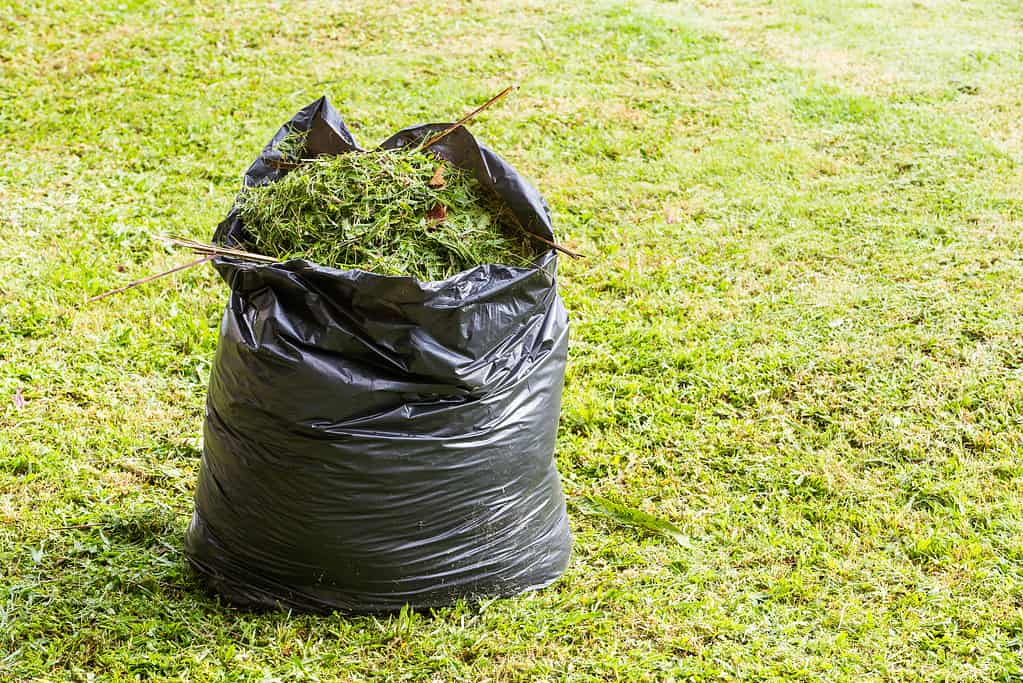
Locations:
(383, 211)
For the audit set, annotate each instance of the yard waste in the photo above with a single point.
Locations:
(374, 440)
(393, 212)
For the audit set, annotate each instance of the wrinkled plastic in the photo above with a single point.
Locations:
(376, 441)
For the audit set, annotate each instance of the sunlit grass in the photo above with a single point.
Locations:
(797, 335)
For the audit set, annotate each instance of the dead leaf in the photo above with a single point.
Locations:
(438, 213)
(19, 400)
(437, 181)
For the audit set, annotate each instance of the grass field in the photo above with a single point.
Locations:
(797, 336)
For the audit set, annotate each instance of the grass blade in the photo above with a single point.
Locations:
(631, 517)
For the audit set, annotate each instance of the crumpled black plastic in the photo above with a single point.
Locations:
(376, 441)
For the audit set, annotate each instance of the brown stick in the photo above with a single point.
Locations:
(150, 278)
(282, 164)
(554, 245)
(465, 119)
(214, 250)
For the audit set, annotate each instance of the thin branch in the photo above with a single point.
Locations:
(149, 278)
(277, 163)
(554, 245)
(214, 250)
(465, 119)
(281, 163)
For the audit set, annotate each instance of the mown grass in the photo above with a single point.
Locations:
(394, 212)
(797, 335)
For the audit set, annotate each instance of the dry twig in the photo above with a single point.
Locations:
(149, 278)
(213, 250)
(465, 119)
(554, 245)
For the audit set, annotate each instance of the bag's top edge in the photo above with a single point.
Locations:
(328, 135)
(480, 282)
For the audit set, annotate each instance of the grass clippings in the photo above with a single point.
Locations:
(393, 212)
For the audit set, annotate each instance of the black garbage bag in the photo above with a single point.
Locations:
(375, 441)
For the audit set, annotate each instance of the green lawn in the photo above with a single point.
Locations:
(797, 336)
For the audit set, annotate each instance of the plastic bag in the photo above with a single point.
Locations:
(375, 441)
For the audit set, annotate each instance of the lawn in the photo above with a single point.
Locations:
(797, 334)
